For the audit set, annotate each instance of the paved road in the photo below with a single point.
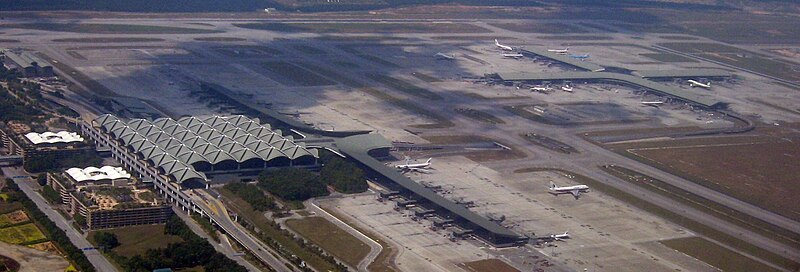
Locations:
(216, 210)
(375, 247)
(221, 247)
(26, 185)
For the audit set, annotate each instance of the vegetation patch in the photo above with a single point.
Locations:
(331, 238)
(424, 77)
(715, 255)
(549, 143)
(22, 234)
(109, 28)
(108, 40)
(135, 240)
(731, 215)
(309, 49)
(738, 57)
(686, 222)
(366, 27)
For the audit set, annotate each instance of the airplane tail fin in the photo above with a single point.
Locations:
(496, 42)
(429, 160)
(552, 185)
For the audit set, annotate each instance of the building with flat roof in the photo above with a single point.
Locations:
(108, 198)
(47, 146)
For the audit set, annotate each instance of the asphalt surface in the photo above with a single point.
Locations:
(26, 185)
(217, 211)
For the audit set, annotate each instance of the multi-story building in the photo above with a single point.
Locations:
(108, 197)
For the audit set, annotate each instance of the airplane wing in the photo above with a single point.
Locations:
(576, 193)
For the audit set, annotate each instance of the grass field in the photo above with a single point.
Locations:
(109, 28)
(365, 27)
(758, 170)
(346, 80)
(137, 240)
(385, 260)
(293, 75)
(403, 86)
(480, 156)
(678, 38)
(680, 219)
(108, 40)
(738, 57)
(713, 208)
(488, 265)
(257, 219)
(9, 41)
(534, 27)
(716, 255)
(22, 234)
(331, 238)
(13, 218)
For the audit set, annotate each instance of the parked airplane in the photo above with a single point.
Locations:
(695, 83)
(566, 88)
(513, 56)
(443, 56)
(560, 237)
(559, 51)
(574, 190)
(541, 89)
(419, 167)
(503, 47)
(579, 57)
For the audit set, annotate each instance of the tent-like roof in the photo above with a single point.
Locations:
(94, 173)
(174, 145)
(51, 138)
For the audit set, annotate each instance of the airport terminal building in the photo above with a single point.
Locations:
(191, 151)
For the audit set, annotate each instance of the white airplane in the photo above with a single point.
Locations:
(419, 167)
(502, 47)
(695, 83)
(443, 56)
(541, 89)
(513, 56)
(559, 51)
(574, 190)
(560, 237)
(566, 88)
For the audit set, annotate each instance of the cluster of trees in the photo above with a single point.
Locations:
(296, 184)
(56, 234)
(51, 195)
(344, 176)
(13, 109)
(253, 195)
(106, 240)
(193, 251)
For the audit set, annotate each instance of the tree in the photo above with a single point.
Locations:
(252, 195)
(42, 179)
(344, 176)
(106, 241)
(292, 184)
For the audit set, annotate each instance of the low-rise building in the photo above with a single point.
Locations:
(47, 146)
(28, 64)
(107, 197)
